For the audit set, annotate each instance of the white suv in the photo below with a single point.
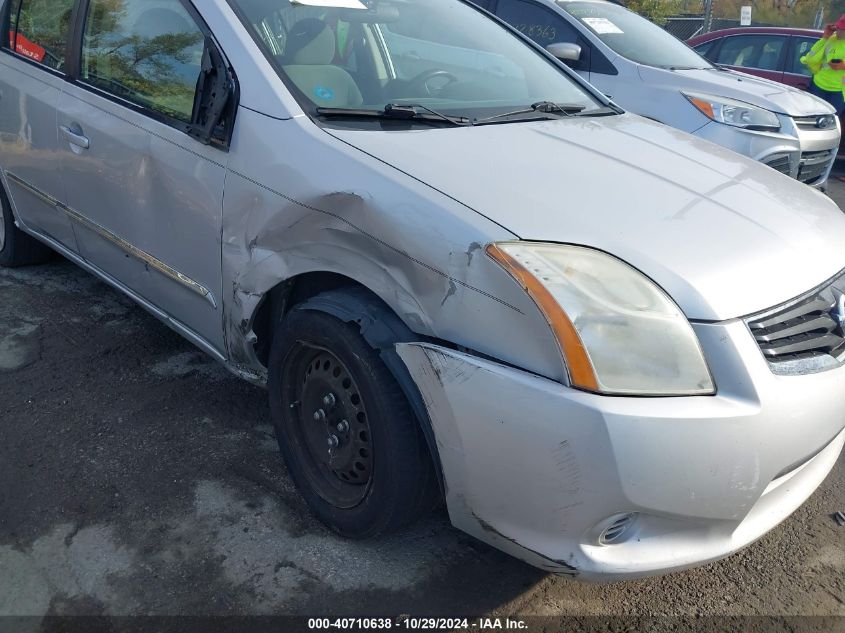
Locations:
(652, 73)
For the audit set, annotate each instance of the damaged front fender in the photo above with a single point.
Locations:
(518, 466)
(334, 209)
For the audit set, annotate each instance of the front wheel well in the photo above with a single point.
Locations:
(351, 302)
(280, 299)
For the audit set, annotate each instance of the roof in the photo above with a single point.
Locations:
(750, 30)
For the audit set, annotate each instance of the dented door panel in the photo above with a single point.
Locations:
(150, 200)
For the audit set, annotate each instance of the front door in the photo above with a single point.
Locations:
(148, 197)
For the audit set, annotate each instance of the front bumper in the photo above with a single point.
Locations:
(798, 150)
(537, 469)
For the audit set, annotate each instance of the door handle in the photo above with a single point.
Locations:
(75, 138)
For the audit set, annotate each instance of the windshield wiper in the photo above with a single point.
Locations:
(603, 111)
(397, 112)
(544, 107)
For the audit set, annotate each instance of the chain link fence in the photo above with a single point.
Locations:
(712, 15)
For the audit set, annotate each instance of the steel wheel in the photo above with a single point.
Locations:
(346, 430)
(329, 426)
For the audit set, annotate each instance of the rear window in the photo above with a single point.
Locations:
(39, 30)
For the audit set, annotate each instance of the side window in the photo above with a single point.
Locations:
(800, 47)
(40, 29)
(543, 26)
(752, 51)
(148, 52)
(484, 4)
(704, 49)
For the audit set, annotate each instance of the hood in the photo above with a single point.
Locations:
(725, 236)
(740, 86)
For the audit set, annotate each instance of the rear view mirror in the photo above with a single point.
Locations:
(378, 14)
(565, 51)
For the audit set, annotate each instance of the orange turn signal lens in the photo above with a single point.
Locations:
(705, 107)
(581, 372)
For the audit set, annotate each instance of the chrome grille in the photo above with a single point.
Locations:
(781, 163)
(805, 335)
(812, 122)
(814, 165)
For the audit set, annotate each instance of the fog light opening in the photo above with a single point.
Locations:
(618, 528)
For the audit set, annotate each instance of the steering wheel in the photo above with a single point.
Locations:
(422, 81)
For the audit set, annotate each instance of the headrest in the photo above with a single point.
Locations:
(310, 42)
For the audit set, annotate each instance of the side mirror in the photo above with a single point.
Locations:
(565, 51)
(214, 105)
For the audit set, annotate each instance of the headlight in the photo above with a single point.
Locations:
(617, 331)
(736, 113)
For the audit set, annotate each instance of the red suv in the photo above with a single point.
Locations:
(770, 52)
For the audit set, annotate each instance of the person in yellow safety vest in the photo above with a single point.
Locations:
(826, 60)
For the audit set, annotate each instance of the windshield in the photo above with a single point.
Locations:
(441, 54)
(633, 36)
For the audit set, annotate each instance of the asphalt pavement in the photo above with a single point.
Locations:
(139, 477)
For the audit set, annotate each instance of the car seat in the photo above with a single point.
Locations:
(769, 59)
(309, 51)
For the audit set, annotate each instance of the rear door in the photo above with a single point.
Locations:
(761, 55)
(148, 195)
(32, 72)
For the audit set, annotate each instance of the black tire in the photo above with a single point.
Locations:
(314, 354)
(16, 247)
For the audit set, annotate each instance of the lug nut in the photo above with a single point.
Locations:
(343, 426)
(329, 401)
(333, 442)
(319, 415)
